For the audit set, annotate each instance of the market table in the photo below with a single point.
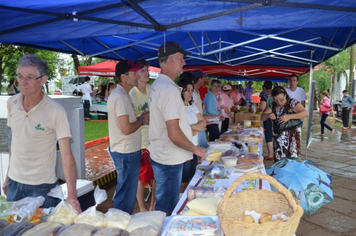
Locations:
(198, 180)
(98, 107)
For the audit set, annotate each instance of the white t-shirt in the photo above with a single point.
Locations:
(197, 101)
(166, 104)
(191, 112)
(34, 137)
(298, 94)
(86, 90)
(119, 104)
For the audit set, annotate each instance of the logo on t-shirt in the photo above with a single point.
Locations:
(39, 127)
(143, 107)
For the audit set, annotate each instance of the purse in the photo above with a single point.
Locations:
(288, 125)
(324, 109)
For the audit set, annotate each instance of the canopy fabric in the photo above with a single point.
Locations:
(284, 33)
(107, 69)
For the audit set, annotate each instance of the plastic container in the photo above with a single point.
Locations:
(247, 123)
(85, 193)
(176, 226)
(229, 161)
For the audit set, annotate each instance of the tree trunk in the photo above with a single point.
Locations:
(76, 62)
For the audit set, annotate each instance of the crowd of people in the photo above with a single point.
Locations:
(157, 132)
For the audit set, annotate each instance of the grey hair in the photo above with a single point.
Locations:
(29, 60)
(163, 59)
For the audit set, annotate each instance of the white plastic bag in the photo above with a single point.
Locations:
(64, 212)
(24, 209)
(146, 223)
(91, 216)
(117, 218)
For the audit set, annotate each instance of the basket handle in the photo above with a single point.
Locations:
(270, 179)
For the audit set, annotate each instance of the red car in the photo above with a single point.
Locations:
(57, 92)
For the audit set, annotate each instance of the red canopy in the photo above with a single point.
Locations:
(107, 69)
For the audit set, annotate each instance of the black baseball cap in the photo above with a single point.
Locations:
(198, 74)
(169, 48)
(124, 66)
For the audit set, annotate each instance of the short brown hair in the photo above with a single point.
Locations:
(142, 62)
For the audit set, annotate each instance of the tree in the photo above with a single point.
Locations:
(8, 55)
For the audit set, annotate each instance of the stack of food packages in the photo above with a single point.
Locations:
(64, 220)
(230, 155)
(239, 152)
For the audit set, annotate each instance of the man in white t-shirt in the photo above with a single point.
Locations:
(294, 91)
(125, 135)
(198, 82)
(37, 123)
(170, 134)
(87, 92)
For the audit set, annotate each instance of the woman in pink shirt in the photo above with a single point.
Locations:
(326, 102)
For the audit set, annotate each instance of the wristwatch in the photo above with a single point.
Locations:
(143, 120)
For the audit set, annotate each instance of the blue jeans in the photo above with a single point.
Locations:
(168, 179)
(189, 168)
(202, 139)
(16, 191)
(128, 168)
(267, 124)
(213, 131)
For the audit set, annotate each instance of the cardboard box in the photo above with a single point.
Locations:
(240, 117)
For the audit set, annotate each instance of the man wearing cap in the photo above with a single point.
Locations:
(228, 103)
(347, 104)
(170, 134)
(125, 135)
(198, 82)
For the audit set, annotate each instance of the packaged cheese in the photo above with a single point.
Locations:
(64, 211)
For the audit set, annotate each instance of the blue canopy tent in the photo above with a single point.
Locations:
(289, 34)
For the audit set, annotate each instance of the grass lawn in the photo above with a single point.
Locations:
(95, 129)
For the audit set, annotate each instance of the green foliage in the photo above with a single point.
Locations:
(58, 83)
(95, 129)
(50, 57)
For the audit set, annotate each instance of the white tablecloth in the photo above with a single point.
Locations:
(197, 181)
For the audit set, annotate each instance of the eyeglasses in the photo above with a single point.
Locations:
(279, 100)
(20, 78)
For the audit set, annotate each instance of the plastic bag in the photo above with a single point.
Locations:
(77, 229)
(117, 218)
(24, 209)
(46, 228)
(91, 216)
(15, 229)
(112, 232)
(64, 212)
(146, 223)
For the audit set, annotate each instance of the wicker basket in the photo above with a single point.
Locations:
(233, 206)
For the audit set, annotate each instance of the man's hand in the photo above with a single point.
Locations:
(348, 108)
(75, 204)
(146, 116)
(4, 186)
(200, 153)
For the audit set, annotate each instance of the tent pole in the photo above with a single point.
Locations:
(202, 42)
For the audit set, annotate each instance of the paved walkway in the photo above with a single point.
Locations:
(335, 154)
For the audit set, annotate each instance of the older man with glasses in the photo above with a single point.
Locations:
(37, 122)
